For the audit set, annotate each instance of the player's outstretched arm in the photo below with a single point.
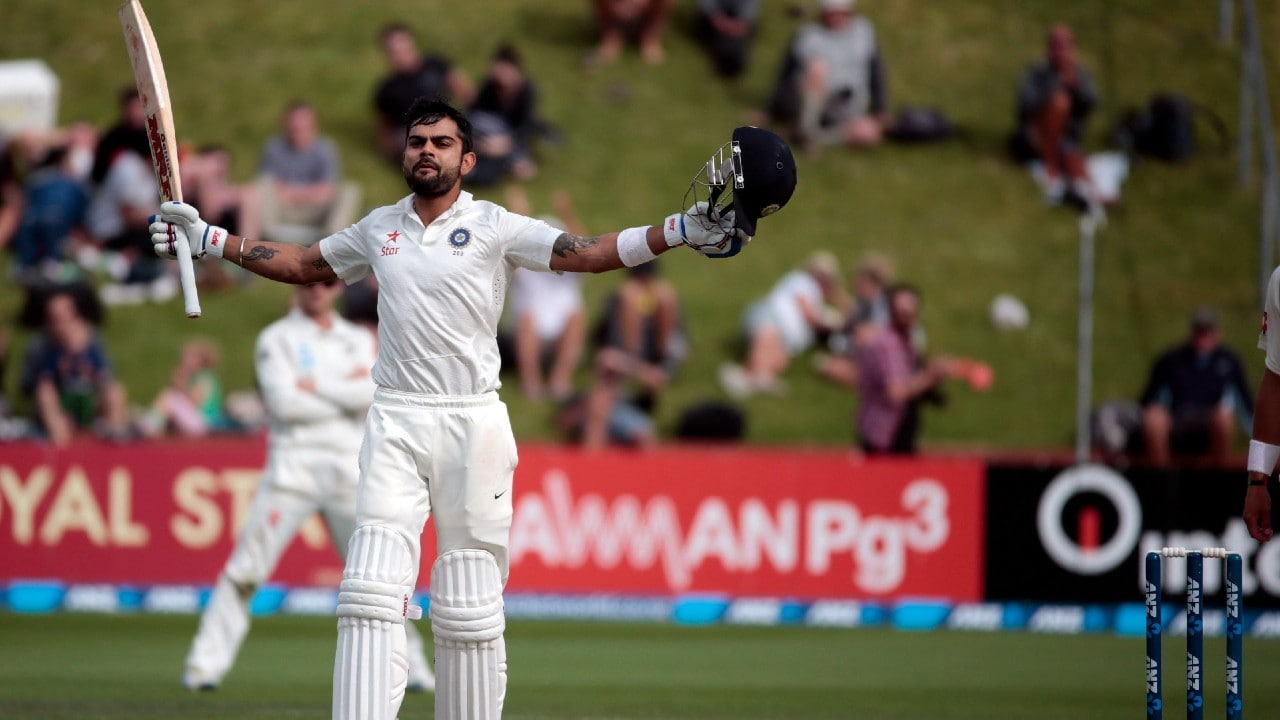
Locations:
(1264, 447)
(275, 261)
(714, 238)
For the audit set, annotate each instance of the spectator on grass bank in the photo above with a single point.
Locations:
(1195, 392)
(509, 93)
(868, 314)
(117, 219)
(726, 28)
(302, 196)
(505, 120)
(10, 193)
(128, 133)
(411, 75)
(68, 377)
(806, 304)
(640, 21)
(641, 344)
(192, 404)
(831, 88)
(53, 222)
(1054, 100)
(206, 183)
(550, 318)
(893, 380)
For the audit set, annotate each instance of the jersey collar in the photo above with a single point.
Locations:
(459, 206)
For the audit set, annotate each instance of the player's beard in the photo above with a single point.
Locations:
(439, 184)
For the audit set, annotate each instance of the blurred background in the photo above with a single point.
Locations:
(756, 499)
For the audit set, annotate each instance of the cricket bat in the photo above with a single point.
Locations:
(153, 90)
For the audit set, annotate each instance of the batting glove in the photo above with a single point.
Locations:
(705, 230)
(176, 217)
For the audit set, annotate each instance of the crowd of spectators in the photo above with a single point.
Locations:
(74, 205)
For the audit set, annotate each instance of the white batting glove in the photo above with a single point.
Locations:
(709, 233)
(176, 217)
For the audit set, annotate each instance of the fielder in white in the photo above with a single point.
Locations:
(313, 369)
(1264, 446)
(438, 440)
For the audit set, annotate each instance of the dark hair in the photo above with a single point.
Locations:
(128, 94)
(899, 288)
(506, 52)
(429, 109)
(31, 314)
(394, 28)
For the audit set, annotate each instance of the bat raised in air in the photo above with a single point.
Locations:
(153, 90)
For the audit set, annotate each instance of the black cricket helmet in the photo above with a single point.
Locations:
(754, 175)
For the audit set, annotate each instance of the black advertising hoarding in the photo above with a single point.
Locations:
(1079, 534)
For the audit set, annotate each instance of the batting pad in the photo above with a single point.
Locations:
(468, 621)
(370, 667)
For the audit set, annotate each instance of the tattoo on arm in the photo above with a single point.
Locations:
(258, 252)
(320, 264)
(568, 244)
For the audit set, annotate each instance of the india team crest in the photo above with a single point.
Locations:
(460, 238)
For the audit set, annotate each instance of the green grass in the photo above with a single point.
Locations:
(959, 220)
(109, 667)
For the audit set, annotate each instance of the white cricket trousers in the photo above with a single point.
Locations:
(449, 458)
(294, 485)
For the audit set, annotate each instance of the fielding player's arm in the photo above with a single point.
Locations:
(283, 262)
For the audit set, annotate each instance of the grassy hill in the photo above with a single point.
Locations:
(959, 220)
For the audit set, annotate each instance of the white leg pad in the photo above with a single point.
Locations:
(468, 621)
(369, 672)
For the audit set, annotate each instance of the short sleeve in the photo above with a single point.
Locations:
(346, 251)
(527, 242)
(1269, 338)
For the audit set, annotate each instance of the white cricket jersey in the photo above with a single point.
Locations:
(440, 288)
(1270, 341)
(338, 360)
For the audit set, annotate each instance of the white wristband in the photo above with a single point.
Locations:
(673, 230)
(633, 246)
(1262, 457)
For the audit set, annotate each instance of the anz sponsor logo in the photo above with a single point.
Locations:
(1152, 598)
(1193, 596)
(1233, 676)
(1233, 600)
(1153, 675)
(1193, 673)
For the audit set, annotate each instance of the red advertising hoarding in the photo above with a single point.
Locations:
(745, 522)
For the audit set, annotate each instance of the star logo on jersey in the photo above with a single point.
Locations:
(388, 248)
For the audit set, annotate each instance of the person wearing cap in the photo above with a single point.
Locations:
(805, 304)
(831, 88)
(1195, 391)
(437, 439)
